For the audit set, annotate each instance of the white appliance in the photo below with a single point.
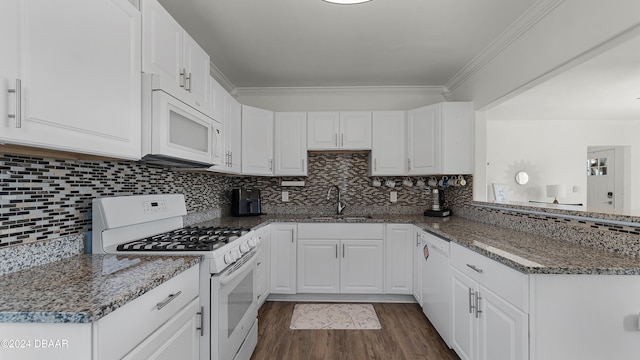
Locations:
(174, 132)
(436, 283)
(153, 224)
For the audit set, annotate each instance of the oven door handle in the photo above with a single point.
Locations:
(224, 279)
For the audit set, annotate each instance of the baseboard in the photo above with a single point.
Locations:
(369, 298)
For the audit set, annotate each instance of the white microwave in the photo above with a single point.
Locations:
(174, 133)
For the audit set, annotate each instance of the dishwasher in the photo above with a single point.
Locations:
(436, 284)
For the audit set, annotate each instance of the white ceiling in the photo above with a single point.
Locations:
(606, 87)
(311, 43)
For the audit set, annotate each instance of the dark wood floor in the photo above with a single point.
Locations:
(406, 334)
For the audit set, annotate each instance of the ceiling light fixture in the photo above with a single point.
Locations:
(347, 2)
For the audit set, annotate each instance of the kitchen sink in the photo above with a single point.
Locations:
(340, 218)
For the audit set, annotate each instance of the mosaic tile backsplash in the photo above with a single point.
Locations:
(46, 198)
(43, 198)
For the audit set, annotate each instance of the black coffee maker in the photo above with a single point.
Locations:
(437, 206)
(245, 202)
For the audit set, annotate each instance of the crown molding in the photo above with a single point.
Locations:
(220, 78)
(343, 90)
(524, 23)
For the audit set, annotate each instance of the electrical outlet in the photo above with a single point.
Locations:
(393, 196)
(285, 196)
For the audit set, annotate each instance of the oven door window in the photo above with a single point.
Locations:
(240, 301)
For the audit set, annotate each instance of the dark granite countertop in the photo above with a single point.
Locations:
(83, 288)
(531, 254)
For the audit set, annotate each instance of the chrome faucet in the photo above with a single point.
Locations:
(341, 206)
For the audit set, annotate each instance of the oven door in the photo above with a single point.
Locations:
(234, 304)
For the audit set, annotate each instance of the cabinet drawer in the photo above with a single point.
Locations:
(123, 329)
(510, 284)
(340, 231)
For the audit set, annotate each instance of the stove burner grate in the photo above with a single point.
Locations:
(190, 238)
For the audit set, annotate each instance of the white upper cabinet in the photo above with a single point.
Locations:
(290, 152)
(233, 134)
(440, 139)
(78, 84)
(388, 145)
(349, 130)
(423, 140)
(257, 141)
(227, 111)
(170, 52)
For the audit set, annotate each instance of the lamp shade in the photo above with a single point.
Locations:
(347, 2)
(556, 191)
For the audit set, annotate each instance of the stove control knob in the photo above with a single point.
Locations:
(229, 258)
(244, 248)
(252, 243)
(236, 254)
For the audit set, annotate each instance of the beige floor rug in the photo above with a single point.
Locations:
(335, 316)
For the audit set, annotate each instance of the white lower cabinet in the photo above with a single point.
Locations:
(484, 324)
(283, 258)
(161, 324)
(263, 236)
(399, 263)
(340, 258)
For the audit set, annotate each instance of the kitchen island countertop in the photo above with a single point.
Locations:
(525, 252)
(83, 288)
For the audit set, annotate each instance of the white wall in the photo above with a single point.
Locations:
(553, 152)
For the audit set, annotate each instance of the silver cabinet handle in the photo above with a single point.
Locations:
(409, 163)
(475, 268)
(336, 139)
(375, 164)
(417, 240)
(343, 251)
(342, 139)
(471, 301)
(166, 301)
(478, 298)
(270, 164)
(18, 114)
(230, 158)
(201, 325)
(182, 77)
(302, 164)
(292, 236)
(187, 83)
(336, 251)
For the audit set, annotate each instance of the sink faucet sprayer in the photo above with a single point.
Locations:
(340, 205)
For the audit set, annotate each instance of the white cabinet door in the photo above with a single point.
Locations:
(399, 250)
(463, 324)
(323, 130)
(318, 266)
(283, 258)
(162, 43)
(355, 130)
(502, 328)
(423, 140)
(388, 144)
(196, 66)
(257, 141)
(233, 134)
(178, 338)
(361, 267)
(418, 261)
(290, 147)
(170, 52)
(80, 76)
(263, 269)
(457, 138)
(9, 60)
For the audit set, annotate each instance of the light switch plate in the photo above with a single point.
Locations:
(393, 196)
(285, 196)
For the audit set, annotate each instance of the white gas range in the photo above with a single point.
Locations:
(153, 224)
